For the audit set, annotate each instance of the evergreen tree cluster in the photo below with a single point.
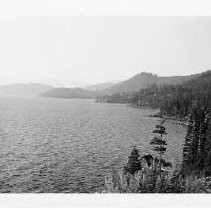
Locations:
(159, 146)
(121, 97)
(197, 146)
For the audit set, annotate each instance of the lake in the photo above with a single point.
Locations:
(61, 145)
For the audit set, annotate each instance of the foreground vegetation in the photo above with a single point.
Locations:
(148, 174)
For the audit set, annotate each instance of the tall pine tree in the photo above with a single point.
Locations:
(188, 156)
(201, 153)
(194, 150)
(158, 142)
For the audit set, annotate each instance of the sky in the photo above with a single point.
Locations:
(72, 50)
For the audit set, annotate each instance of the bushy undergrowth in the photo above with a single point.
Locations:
(155, 180)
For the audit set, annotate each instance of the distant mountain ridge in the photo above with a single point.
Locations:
(139, 81)
(18, 89)
(100, 86)
(144, 80)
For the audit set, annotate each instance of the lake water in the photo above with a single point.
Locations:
(60, 145)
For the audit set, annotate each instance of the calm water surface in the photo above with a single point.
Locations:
(58, 145)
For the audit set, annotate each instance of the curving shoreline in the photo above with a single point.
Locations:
(174, 120)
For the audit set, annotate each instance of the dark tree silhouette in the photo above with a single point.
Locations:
(187, 148)
(159, 146)
(196, 150)
(134, 163)
(158, 142)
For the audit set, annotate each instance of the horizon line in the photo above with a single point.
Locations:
(92, 84)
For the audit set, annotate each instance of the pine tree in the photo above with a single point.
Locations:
(158, 142)
(202, 138)
(196, 129)
(207, 147)
(194, 151)
(187, 148)
(134, 163)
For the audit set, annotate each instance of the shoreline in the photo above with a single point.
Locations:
(174, 120)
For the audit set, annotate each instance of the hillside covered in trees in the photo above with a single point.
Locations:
(172, 100)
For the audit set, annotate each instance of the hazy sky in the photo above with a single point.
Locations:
(76, 51)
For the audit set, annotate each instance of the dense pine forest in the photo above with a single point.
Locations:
(172, 100)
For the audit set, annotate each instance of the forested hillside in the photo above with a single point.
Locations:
(173, 100)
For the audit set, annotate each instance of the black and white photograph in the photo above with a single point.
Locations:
(95, 100)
